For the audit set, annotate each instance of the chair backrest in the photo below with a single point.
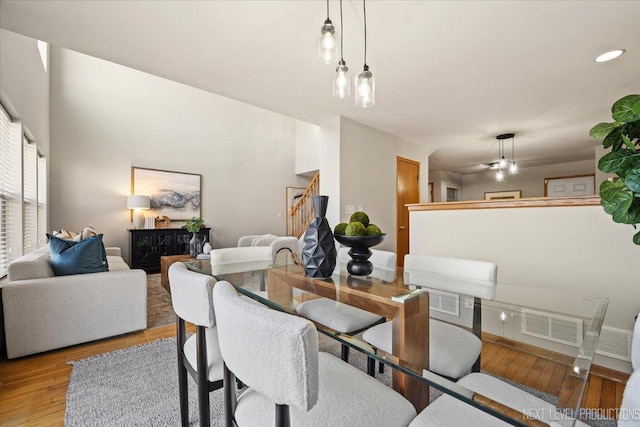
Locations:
(237, 260)
(384, 263)
(630, 406)
(635, 345)
(460, 276)
(191, 295)
(274, 353)
(244, 241)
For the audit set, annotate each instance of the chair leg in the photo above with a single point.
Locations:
(282, 416)
(371, 366)
(229, 396)
(182, 374)
(345, 353)
(203, 386)
(381, 367)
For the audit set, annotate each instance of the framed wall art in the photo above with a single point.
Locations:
(173, 194)
(503, 195)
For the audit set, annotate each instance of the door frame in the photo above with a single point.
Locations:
(400, 159)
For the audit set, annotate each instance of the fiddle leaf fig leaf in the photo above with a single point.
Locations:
(602, 129)
(630, 216)
(610, 162)
(616, 198)
(628, 142)
(613, 138)
(632, 180)
(628, 163)
(622, 110)
(635, 109)
(636, 238)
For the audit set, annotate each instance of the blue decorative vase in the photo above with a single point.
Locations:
(319, 250)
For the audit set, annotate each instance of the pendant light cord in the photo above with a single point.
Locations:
(341, 32)
(327, 9)
(364, 8)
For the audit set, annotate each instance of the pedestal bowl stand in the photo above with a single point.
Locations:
(359, 252)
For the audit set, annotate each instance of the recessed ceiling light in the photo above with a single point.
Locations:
(608, 56)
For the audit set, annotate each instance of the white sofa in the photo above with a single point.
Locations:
(44, 312)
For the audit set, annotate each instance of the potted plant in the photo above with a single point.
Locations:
(620, 197)
(193, 225)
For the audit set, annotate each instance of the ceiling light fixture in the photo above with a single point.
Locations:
(341, 81)
(608, 56)
(365, 82)
(327, 40)
(502, 163)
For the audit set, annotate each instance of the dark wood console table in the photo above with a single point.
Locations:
(147, 246)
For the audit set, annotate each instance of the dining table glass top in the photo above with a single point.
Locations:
(541, 340)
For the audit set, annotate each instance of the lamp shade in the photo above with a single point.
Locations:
(138, 202)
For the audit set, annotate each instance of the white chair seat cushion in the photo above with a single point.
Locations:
(452, 350)
(449, 411)
(214, 358)
(336, 315)
(376, 404)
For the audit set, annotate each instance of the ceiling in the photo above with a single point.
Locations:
(449, 74)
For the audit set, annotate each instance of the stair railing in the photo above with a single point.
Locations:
(301, 214)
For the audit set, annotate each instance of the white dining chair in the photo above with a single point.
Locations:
(447, 411)
(290, 383)
(199, 355)
(453, 351)
(630, 406)
(342, 317)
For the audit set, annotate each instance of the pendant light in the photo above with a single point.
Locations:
(502, 163)
(365, 82)
(341, 81)
(513, 167)
(327, 51)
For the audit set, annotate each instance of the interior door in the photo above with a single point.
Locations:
(407, 191)
(564, 186)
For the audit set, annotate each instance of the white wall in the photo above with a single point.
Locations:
(368, 159)
(106, 118)
(529, 180)
(329, 162)
(574, 249)
(24, 82)
(307, 148)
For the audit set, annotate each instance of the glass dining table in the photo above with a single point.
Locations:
(551, 336)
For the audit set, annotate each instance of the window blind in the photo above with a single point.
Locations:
(30, 196)
(10, 192)
(42, 201)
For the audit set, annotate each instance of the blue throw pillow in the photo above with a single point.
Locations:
(86, 256)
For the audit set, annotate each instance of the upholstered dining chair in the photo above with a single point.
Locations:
(199, 355)
(453, 351)
(344, 318)
(630, 406)
(293, 383)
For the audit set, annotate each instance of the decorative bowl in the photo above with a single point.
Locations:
(359, 252)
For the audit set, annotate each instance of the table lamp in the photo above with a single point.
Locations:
(137, 203)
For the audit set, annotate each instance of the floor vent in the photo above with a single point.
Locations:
(444, 302)
(615, 343)
(552, 327)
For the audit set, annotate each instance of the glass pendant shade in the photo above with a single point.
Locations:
(500, 175)
(513, 168)
(365, 88)
(341, 81)
(503, 163)
(327, 51)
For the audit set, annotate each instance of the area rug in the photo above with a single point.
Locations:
(137, 386)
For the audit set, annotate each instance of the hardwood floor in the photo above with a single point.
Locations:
(33, 389)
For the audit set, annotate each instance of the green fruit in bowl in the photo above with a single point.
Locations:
(340, 229)
(360, 217)
(373, 230)
(355, 229)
